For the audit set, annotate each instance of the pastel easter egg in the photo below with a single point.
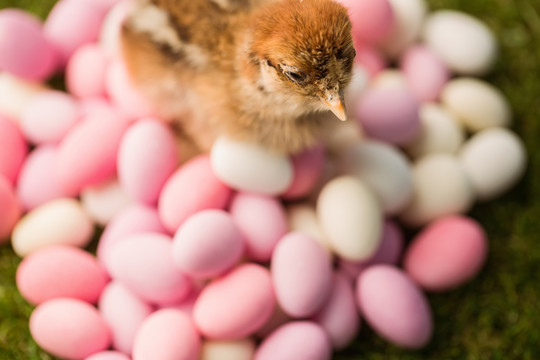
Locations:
(440, 188)
(71, 24)
(178, 200)
(476, 103)
(124, 313)
(446, 254)
(167, 334)
(250, 167)
(108, 355)
(69, 328)
(104, 201)
(14, 149)
(307, 167)
(463, 42)
(372, 20)
(302, 217)
(351, 217)
(109, 37)
(147, 157)
(221, 314)
(86, 71)
(339, 317)
(288, 342)
(394, 307)
(57, 222)
(397, 124)
(15, 94)
(10, 211)
(82, 160)
(301, 274)
(28, 54)
(384, 169)
(60, 271)
(228, 350)
(494, 160)
(207, 244)
(261, 220)
(369, 58)
(390, 78)
(426, 74)
(144, 264)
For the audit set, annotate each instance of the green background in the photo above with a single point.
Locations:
(496, 316)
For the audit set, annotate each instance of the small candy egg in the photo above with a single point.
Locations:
(494, 160)
(124, 313)
(58, 222)
(440, 188)
(10, 211)
(301, 275)
(109, 37)
(303, 218)
(86, 70)
(178, 200)
(28, 54)
(103, 201)
(207, 244)
(296, 340)
(228, 350)
(384, 169)
(476, 103)
(394, 307)
(144, 264)
(396, 124)
(462, 41)
(15, 94)
(235, 305)
(426, 74)
(49, 116)
(60, 271)
(69, 328)
(250, 167)
(14, 149)
(307, 167)
(167, 334)
(372, 20)
(146, 159)
(446, 254)
(440, 132)
(108, 355)
(351, 217)
(339, 316)
(262, 221)
(390, 78)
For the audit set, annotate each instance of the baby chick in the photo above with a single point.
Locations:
(254, 70)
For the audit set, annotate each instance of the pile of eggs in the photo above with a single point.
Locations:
(242, 253)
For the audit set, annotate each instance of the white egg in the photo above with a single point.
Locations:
(303, 218)
(390, 79)
(15, 94)
(243, 349)
(104, 201)
(409, 15)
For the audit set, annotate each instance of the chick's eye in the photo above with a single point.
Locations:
(294, 76)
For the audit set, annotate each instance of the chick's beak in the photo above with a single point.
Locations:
(336, 103)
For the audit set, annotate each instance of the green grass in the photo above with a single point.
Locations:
(496, 316)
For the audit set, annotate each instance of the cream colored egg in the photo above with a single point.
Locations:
(58, 222)
(303, 218)
(243, 349)
(494, 160)
(350, 215)
(409, 15)
(15, 94)
(476, 103)
(104, 201)
(390, 79)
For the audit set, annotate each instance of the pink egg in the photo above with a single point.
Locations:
(394, 306)
(372, 20)
(49, 116)
(86, 70)
(389, 114)
(71, 24)
(147, 157)
(13, 151)
(339, 317)
(144, 264)
(167, 334)
(136, 219)
(60, 271)
(294, 341)
(301, 274)
(426, 74)
(307, 168)
(235, 305)
(192, 188)
(24, 51)
(370, 58)
(124, 313)
(10, 210)
(87, 155)
(69, 328)
(447, 253)
(108, 355)
(207, 244)
(262, 222)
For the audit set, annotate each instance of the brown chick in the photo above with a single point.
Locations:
(254, 70)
